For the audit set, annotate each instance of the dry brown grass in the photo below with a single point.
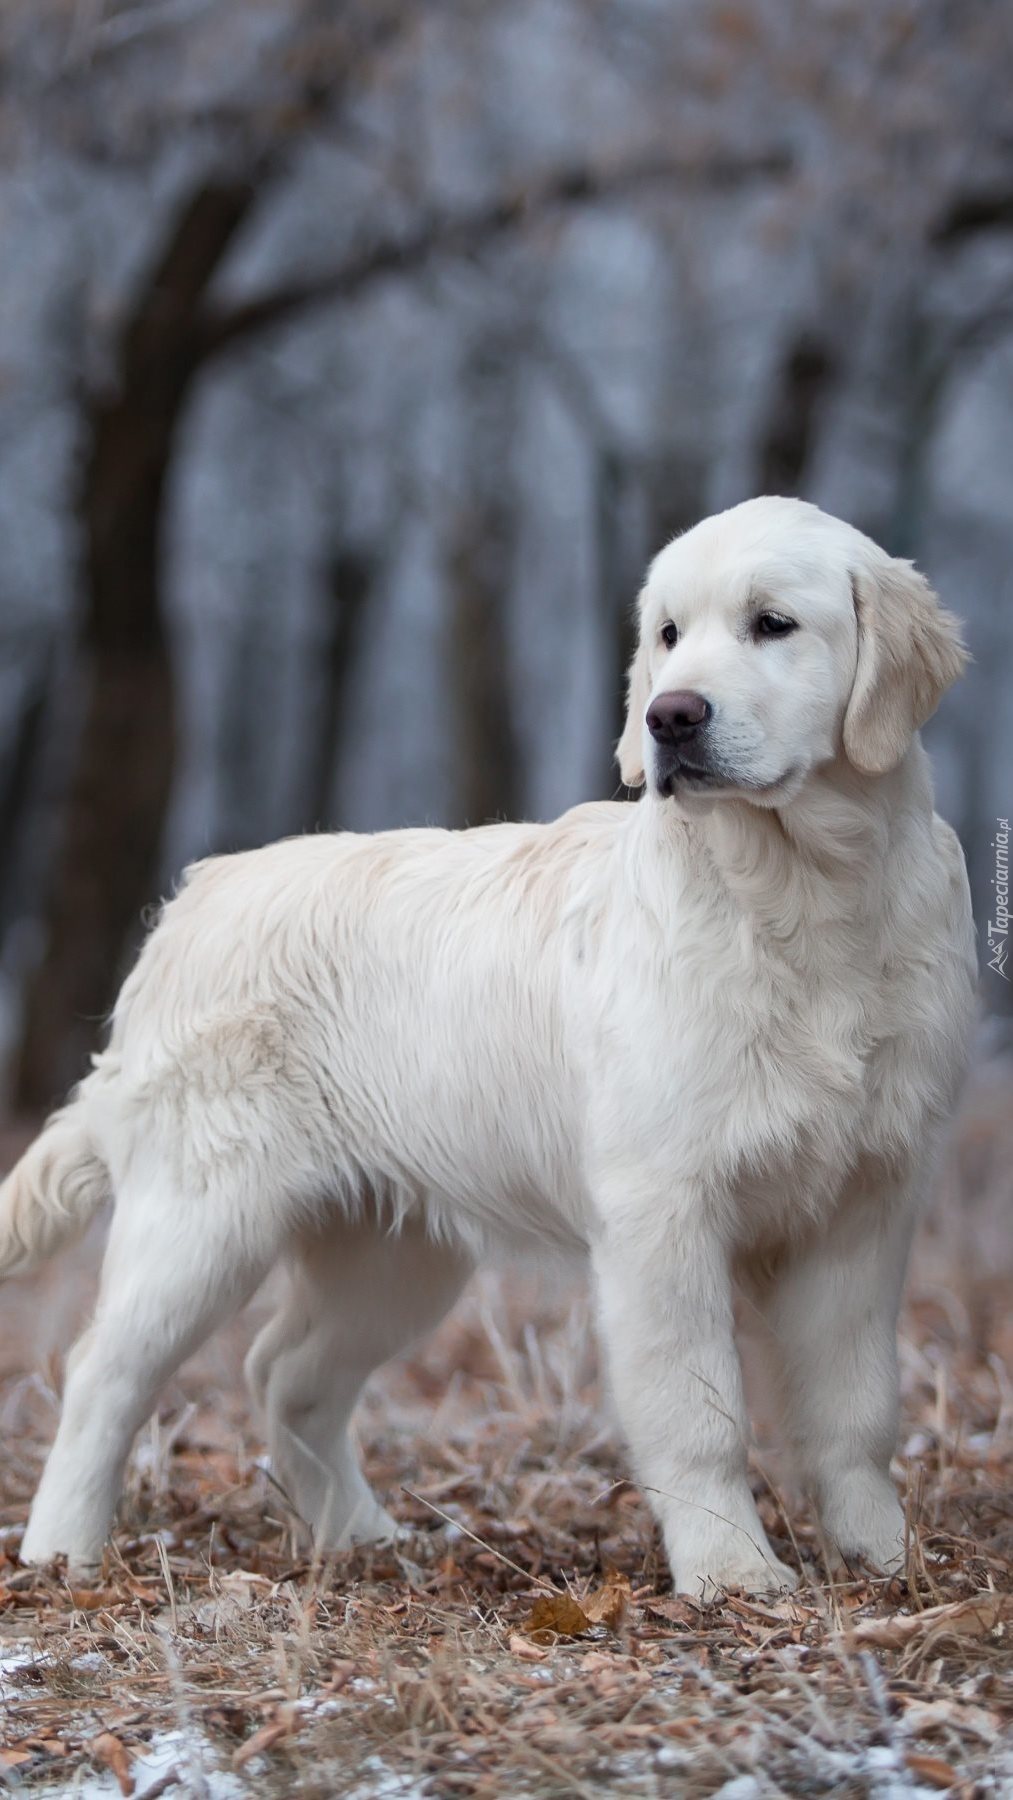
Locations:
(212, 1661)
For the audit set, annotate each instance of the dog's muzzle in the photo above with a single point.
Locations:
(678, 725)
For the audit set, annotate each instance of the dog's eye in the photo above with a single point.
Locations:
(669, 635)
(771, 624)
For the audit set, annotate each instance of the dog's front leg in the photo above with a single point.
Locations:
(833, 1314)
(666, 1310)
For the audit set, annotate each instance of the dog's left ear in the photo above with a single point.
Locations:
(909, 651)
(630, 748)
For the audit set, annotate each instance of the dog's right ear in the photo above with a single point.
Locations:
(630, 748)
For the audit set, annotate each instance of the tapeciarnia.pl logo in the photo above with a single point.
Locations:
(998, 928)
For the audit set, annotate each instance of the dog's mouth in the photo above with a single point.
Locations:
(683, 774)
(685, 777)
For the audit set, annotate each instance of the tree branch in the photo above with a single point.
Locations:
(985, 210)
(465, 233)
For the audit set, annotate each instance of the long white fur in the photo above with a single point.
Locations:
(710, 1041)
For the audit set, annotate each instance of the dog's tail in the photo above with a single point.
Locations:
(52, 1192)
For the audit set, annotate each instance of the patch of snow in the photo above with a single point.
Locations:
(168, 1750)
(362, 1684)
(669, 1757)
(164, 1535)
(382, 1783)
(917, 1444)
(19, 1656)
(319, 1706)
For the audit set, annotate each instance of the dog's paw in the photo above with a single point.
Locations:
(41, 1550)
(375, 1527)
(863, 1520)
(752, 1574)
(370, 1523)
(881, 1555)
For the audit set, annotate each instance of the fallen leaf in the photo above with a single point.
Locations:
(90, 1599)
(107, 1748)
(932, 1769)
(684, 1730)
(30, 1747)
(264, 1739)
(556, 1616)
(561, 1616)
(12, 1759)
(925, 1717)
(148, 1596)
(676, 1610)
(240, 1585)
(523, 1648)
(607, 1606)
(976, 1617)
(593, 1660)
(778, 1613)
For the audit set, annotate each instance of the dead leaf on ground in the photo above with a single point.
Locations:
(933, 1769)
(91, 1599)
(779, 1613)
(608, 1604)
(29, 1748)
(976, 1617)
(676, 1610)
(924, 1718)
(110, 1750)
(264, 1739)
(556, 1616)
(14, 1757)
(561, 1616)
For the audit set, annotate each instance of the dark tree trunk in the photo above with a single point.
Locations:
(806, 375)
(17, 795)
(621, 532)
(349, 585)
(638, 510)
(107, 864)
(487, 752)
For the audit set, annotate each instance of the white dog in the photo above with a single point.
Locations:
(710, 1038)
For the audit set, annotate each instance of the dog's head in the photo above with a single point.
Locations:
(774, 639)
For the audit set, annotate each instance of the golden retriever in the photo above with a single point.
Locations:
(709, 1038)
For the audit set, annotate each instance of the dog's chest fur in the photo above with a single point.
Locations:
(809, 1033)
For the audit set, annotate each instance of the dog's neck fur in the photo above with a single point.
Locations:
(822, 859)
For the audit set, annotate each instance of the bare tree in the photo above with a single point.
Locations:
(117, 803)
(326, 59)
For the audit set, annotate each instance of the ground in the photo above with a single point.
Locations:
(210, 1660)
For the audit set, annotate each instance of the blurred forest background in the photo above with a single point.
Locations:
(354, 358)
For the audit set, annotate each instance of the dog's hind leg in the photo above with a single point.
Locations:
(172, 1271)
(356, 1296)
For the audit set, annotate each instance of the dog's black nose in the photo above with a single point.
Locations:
(675, 718)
